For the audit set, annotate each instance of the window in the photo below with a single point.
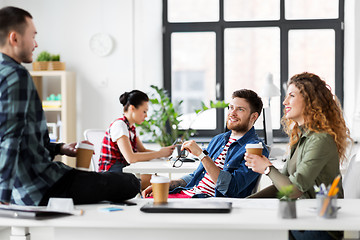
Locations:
(214, 47)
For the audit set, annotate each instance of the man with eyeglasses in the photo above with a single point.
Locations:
(222, 171)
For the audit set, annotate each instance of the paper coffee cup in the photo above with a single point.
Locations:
(160, 188)
(84, 153)
(254, 148)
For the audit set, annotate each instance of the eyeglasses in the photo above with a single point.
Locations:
(178, 162)
(179, 159)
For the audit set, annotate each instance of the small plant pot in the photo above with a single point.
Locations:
(287, 209)
(56, 65)
(40, 66)
(48, 66)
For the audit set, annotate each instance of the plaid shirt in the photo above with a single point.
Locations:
(26, 167)
(110, 152)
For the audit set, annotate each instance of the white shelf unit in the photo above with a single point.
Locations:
(64, 83)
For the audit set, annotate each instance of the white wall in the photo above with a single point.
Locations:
(66, 26)
(352, 67)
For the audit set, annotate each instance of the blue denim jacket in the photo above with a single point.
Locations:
(235, 180)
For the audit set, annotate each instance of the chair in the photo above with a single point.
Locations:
(95, 136)
(352, 178)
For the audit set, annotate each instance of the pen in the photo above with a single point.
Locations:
(316, 189)
(333, 186)
(332, 192)
(176, 140)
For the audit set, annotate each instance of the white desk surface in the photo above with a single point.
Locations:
(160, 166)
(250, 218)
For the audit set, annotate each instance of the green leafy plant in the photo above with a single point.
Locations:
(284, 194)
(163, 123)
(46, 56)
(43, 56)
(55, 58)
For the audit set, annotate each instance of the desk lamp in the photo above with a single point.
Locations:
(269, 90)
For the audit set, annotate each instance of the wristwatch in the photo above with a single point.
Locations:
(203, 154)
(267, 170)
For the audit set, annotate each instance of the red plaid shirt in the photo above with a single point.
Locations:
(110, 152)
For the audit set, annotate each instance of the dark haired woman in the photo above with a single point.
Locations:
(121, 145)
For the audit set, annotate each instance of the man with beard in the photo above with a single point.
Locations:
(28, 176)
(222, 171)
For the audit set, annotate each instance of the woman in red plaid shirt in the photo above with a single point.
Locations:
(121, 145)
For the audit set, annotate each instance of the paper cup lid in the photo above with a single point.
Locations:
(159, 179)
(254, 145)
(84, 146)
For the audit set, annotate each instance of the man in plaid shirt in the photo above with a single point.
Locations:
(28, 176)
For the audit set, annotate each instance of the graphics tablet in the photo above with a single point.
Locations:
(188, 207)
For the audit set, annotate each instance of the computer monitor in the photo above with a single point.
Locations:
(268, 130)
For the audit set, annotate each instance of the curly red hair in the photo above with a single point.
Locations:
(322, 112)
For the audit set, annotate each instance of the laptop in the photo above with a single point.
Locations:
(188, 207)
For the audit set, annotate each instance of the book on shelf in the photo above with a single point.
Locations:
(51, 104)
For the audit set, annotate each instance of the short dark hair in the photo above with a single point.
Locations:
(251, 97)
(12, 19)
(135, 98)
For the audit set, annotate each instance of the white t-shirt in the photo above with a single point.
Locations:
(119, 129)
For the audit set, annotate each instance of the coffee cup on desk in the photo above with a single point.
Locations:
(84, 153)
(160, 188)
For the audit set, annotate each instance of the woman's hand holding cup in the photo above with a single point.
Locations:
(256, 163)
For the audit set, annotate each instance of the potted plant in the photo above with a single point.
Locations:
(163, 124)
(46, 61)
(287, 205)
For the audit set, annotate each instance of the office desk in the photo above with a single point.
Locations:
(160, 166)
(249, 219)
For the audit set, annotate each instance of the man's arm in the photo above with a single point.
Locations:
(13, 102)
(207, 162)
(177, 183)
(54, 148)
(63, 148)
(236, 180)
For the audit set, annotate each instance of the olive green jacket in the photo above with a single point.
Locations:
(314, 160)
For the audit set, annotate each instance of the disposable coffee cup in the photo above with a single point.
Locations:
(160, 188)
(254, 148)
(84, 153)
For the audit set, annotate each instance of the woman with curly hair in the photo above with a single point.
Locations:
(319, 137)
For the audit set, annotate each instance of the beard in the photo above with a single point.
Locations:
(242, 126)
(25, 55)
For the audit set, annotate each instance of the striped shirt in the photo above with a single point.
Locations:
(206, 184)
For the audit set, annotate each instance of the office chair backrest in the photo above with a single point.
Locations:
(95, 136)
(352, 178)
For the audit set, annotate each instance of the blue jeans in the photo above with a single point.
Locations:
(117, 167)
(305, 235)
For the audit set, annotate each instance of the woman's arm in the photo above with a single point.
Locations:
(140, 146)
(259, 164)
(132, 157)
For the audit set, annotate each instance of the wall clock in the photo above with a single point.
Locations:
(101, 44)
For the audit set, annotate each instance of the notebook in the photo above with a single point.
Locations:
(34, 212)
(188, 207)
